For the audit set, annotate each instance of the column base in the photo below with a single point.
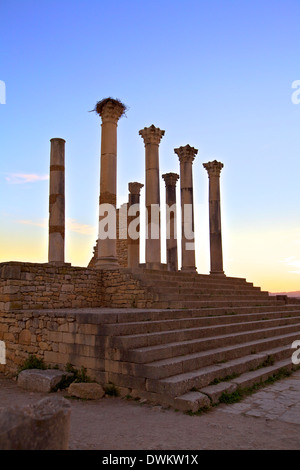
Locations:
(188, 269)
(107, 263)
(154, 266)
(217, 273)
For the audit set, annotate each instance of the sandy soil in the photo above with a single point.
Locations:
(119, 424)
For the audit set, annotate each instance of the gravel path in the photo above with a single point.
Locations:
(269, 419)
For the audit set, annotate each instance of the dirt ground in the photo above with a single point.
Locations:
(270, 419)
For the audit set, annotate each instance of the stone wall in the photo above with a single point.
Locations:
(45, 310)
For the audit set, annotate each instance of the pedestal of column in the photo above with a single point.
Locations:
(133, 234)
(171, 220)
(216, 256)
(186, 157)
(110, 111)
(56, 249)
(152, 136)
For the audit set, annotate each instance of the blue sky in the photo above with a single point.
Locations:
(214, 74)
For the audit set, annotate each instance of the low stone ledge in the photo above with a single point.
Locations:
(43, 426)
(39, 380)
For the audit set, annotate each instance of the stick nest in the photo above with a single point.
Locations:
(100, 105)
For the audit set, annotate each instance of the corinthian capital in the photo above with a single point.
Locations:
(170, 179)
(110, 109)
(151, 135)
(213, 168)
(135, 188)
(186, 153)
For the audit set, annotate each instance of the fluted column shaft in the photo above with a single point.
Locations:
(56, 248)
(186, 157)
(216, 254)
(110, 112)
(133, 238)
(171, 220)
(152, 136)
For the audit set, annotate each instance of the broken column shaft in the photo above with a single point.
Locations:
(56, 249)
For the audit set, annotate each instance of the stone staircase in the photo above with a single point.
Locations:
(204, 336)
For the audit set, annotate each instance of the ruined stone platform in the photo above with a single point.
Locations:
(199, 336)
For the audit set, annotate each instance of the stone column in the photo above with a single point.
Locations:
(56, 249)
(110, 111)
(152, 136)
(171, 217)
(216, 257)
(186, 157)
(133, 237)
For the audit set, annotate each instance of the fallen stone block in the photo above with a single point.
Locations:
(86, 390)
(39, 380)
(192, 401)
(42, 426)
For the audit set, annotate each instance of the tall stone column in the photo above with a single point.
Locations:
(172, 257)
(186, 157)
(133, 237)
(110, 111)
(56, 249)
(152, 136)
(216, 257)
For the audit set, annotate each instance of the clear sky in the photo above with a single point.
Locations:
(215, 74)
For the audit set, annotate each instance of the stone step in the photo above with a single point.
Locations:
(193, 401)
(178, 323)
(180, 384)
(188, 284)
(230, 297)
(161, 346)
(156, 274)
(104, 316)
(279, 347)
(196, 304)
(202, 290)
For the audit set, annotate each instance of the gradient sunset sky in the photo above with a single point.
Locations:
(215, 74)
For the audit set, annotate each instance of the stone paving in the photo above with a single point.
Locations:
(279, 401)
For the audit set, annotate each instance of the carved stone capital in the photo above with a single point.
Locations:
(135, 188)
(170, 179)
(213, 168)
(110, 109)
(151, 135)
(186, 153)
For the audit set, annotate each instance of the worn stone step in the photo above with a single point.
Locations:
(201, 290)
(276, 347)
(245, 380)
(181, 364)
(233, 323)
(211, 303)
(160, 350)
(180, 384)
(246, 297)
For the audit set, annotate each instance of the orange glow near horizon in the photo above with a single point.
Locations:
(265, 258)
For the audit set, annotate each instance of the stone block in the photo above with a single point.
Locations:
(39, 380)
(192, 401)
(86, 390)
(42, 426)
